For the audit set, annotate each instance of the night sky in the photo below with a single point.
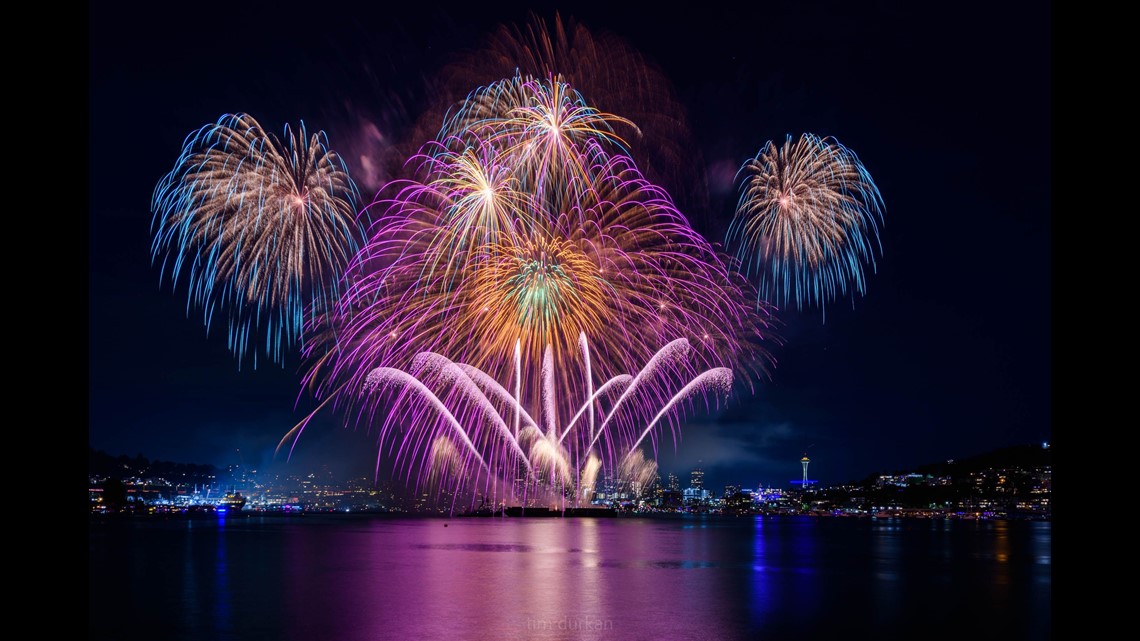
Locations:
(948, 105)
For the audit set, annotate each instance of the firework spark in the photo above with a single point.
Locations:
(260, 226)
(807, 221)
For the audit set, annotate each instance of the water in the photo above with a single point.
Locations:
(357, 577)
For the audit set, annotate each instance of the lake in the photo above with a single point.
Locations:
(375, 577)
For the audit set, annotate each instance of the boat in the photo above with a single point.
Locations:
(232, 502)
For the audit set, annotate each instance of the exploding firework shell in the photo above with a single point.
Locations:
(807, 221)
(259, 226)
(620, 263)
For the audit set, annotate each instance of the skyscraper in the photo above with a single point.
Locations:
(697, 479)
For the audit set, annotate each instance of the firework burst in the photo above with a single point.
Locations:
(259, 226)
(601, 65)
(515, 235)
(807, 221)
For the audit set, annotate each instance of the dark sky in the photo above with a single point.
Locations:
(948, 105)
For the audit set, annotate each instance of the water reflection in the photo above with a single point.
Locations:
(761, 596)
(355, 578)
(223, 599)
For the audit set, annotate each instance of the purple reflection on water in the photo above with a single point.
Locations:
(357, 577)
(490, 579)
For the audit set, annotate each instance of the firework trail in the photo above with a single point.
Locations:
(258, 226)
(448, 423)
(807, 221)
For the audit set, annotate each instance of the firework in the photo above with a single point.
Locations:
(516, 236)
(451, 422)
(615, 75)
(807, 221)
(521, 229)
(259, 226)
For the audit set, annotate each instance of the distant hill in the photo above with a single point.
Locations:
(1022, 456)
(1014, 456)
(100, 463)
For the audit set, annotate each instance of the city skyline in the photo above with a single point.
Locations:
(947, 354)
(1014, 482)
(673, 480)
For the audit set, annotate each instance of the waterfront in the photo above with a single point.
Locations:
(349, 577)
